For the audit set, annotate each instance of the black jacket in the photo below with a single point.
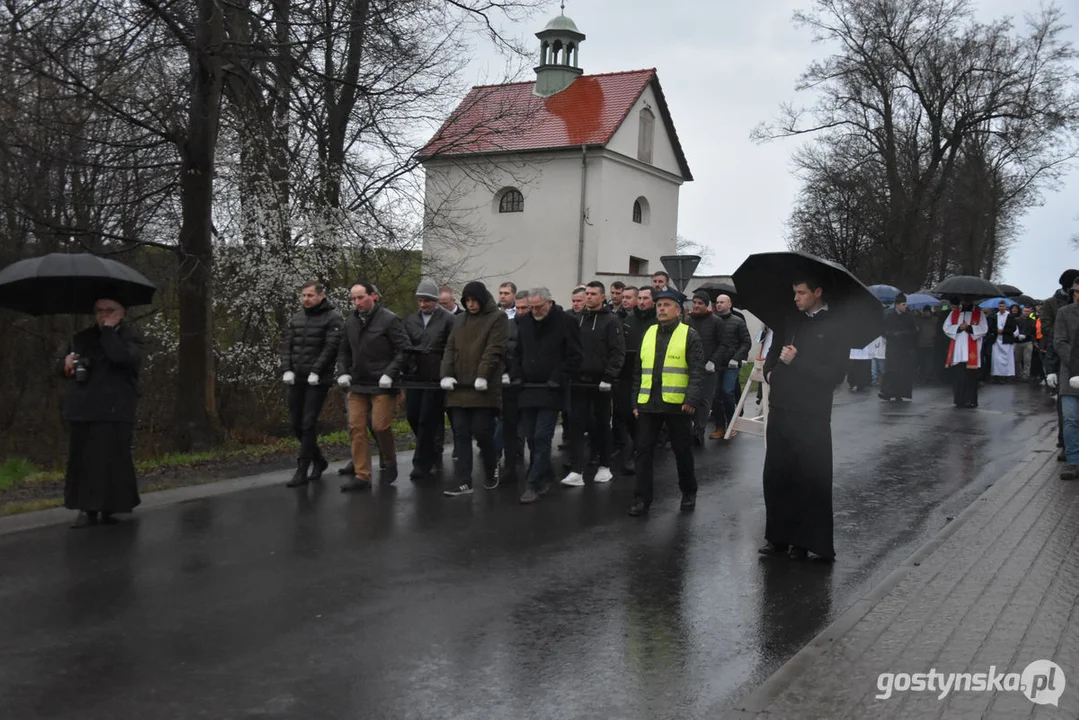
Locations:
(635, 324)
(428, 343)
(734, 342)
(373, 346)
(808, 383)
(695, 360)
(1009, 330)
(603, 346)
(901, 333)
(312, 341)
(548, 351)
(709, 329)
(110, 393)
(1027, 329)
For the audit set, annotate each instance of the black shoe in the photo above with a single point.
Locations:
(689, 501)
(797, 553)
(457, 491)
(318, 466)
(84, 520)
(638, 508)
(419, 474)
(349, 469)
(355, 485)
(1062, 456)
(629, 469)
(388, 474)
(530, 496)
(108, 519)
(299, 478)
(544, 488)
(490, 483)
(770, 548)
(1070, 472)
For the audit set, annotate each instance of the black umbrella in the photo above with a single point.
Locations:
(715, 288)
(63, 284)
(1025, 300)
(969, 286)
(1009, 290)
(766, 280)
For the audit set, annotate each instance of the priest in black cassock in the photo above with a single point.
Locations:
(806, 362)
(901, 334)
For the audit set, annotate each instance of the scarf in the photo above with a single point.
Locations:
(972, 344)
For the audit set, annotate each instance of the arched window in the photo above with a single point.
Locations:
(645, 131)
(641, 210)
(511, 201)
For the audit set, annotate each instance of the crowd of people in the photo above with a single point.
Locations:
(624, 374)
(627, 374)
(959, 343)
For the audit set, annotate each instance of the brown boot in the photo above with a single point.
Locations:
(719, 433)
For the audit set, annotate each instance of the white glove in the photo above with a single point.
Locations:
(345, 381)
(312, 379)
(506, 379)
(1021, 338)
(1074, 382)
(734, 364)
(709, 367)
(289, 377)
(604, 387)
(449, 383)
(1051, 380)
(385, 382)
(481, 384)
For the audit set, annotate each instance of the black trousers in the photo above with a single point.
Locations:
(304, 406)
(680, 433)
(591, 413)
(424, 410)
(469, 423)
(964, 384)
(511, 428)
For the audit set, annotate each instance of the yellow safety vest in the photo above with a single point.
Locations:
(675, 375)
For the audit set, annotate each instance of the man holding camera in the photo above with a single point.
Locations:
(308, 354)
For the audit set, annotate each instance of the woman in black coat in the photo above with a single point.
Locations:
(102, 371)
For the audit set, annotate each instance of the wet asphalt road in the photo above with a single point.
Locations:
(404, 604)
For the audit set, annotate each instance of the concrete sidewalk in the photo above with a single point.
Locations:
(997, 587)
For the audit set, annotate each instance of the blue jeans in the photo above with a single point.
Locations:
(877, 368)
(537, 426)
(728, 386)
(1070, 406)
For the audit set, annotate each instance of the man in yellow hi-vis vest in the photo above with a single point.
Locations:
(666, 391)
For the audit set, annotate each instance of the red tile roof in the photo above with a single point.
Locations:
(509, 118)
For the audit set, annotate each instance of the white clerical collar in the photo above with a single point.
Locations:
(822, 307)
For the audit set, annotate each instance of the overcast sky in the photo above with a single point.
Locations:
(727, 66)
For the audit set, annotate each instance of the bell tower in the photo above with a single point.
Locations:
(559, 62)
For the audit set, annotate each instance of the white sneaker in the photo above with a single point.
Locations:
(603, 475)
(574, 479)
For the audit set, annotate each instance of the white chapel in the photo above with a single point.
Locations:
(554, 182)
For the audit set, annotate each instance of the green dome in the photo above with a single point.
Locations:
(562, 23)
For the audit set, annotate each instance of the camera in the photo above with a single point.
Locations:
(82, 369)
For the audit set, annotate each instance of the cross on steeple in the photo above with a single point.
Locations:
(563, 7)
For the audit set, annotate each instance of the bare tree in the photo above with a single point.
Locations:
(915, 86)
